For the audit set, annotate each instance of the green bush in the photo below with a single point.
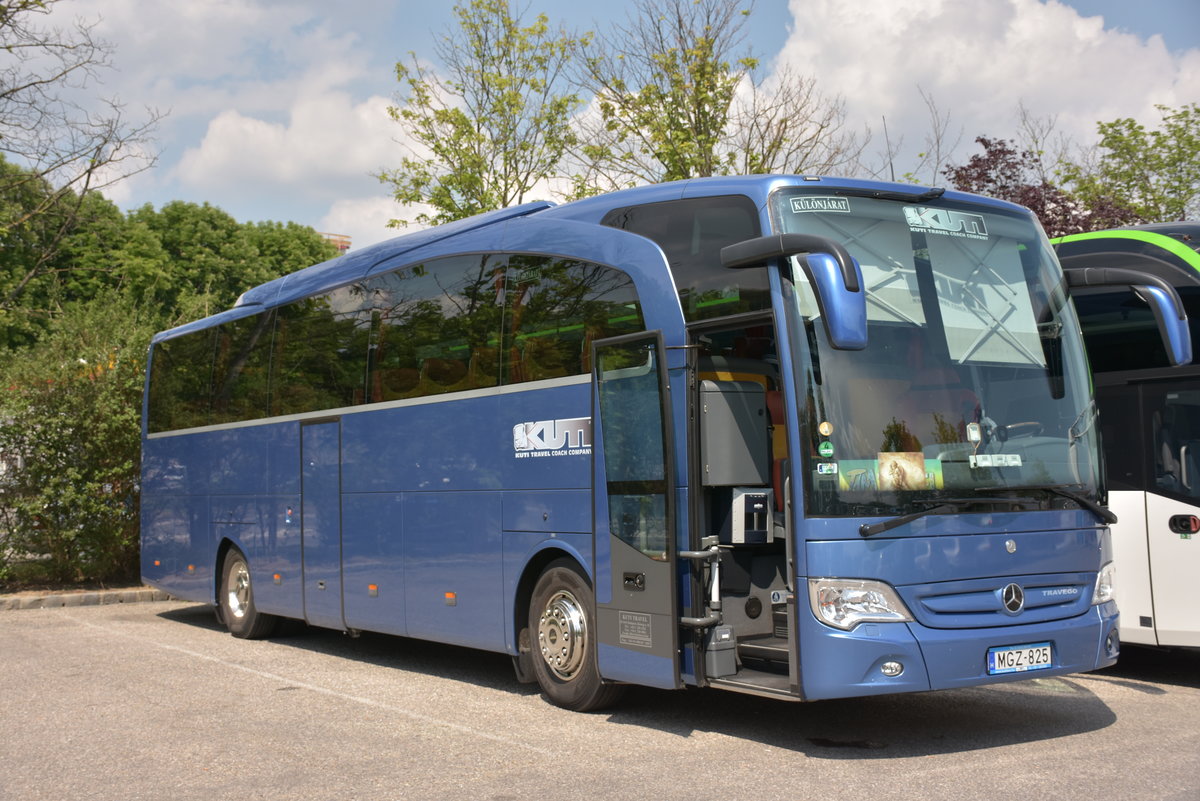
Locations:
(70, 437)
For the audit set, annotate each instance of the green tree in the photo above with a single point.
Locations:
(201, 250)
(663, 85)
(70, 441)
(69, 149)
(1155, 173)
(482, 136)
(677, 96)
(1002, 171)
(286, 247)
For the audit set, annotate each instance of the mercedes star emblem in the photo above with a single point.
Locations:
(1013, 598)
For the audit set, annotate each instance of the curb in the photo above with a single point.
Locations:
(87, 598)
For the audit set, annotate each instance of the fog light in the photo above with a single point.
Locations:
(892, 669)
(1112, 643)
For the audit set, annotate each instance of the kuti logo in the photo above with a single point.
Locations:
(945, 222)
(571, 437)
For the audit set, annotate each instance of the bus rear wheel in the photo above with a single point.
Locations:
(236, 599)
(562, 634)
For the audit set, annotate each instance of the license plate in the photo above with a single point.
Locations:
(1019, 658)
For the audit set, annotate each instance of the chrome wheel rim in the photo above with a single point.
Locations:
(238, 594)
(562, 635)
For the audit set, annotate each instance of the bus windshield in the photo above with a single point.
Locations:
(974, 383)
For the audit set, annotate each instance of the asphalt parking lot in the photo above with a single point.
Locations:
(154, 701)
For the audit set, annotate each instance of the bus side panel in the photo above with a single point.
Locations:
(1131, 553)
(177, 547)
(254, 481)
(373, 562)
(256, 460)
(467, 444)
(438, 482)
(176, 535)
(537, 520)
(452, 567)
(267, 530)
(1174, 564)
(521, 548)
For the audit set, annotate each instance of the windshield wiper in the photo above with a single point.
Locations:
(871, 529)
(1060, 490)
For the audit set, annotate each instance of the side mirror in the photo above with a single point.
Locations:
(834, 275)
(1162, 298)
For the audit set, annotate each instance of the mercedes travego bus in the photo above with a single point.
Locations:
(799, 437)
(1150, 426)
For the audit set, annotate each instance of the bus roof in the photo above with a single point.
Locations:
(391, 253)
(1168, 250)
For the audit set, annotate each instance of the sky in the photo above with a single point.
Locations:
(277, 109)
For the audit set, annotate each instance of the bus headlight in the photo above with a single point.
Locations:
(844, 603)
(1105, 581)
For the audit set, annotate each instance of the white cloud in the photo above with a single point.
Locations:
(275, 107)
(364, 220)
(327, 143)
(980, 62)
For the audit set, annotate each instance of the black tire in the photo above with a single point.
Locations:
(562, 633)
(236, 599)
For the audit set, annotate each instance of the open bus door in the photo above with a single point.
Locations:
(634, 512)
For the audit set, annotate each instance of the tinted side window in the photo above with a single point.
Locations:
(1123, 432)
(181, 382)
(1174, 417)
(424, 330)
(241, 369)
(556, 308)
(691, 233)
(437, 328)
(320, 352)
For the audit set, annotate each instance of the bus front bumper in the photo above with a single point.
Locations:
(879, 658)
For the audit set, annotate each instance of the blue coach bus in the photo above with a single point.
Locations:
(798, 437)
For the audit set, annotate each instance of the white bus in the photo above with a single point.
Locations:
(1150, 427)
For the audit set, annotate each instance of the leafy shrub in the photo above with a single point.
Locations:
(70, 409)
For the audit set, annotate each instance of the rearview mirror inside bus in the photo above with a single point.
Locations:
(1162, 298)
(833, 273)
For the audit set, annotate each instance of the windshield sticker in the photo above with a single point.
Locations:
(901, 471)
(827, 468)
(870, 475)
(807, 204)
(825, 429)
(996, 460)
(825, 449)
(945, 222)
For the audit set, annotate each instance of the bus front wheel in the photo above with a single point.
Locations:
(562, 634)
(236, 598)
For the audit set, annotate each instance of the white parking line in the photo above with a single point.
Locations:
(291, 682)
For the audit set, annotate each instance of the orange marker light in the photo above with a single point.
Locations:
(451, 599)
